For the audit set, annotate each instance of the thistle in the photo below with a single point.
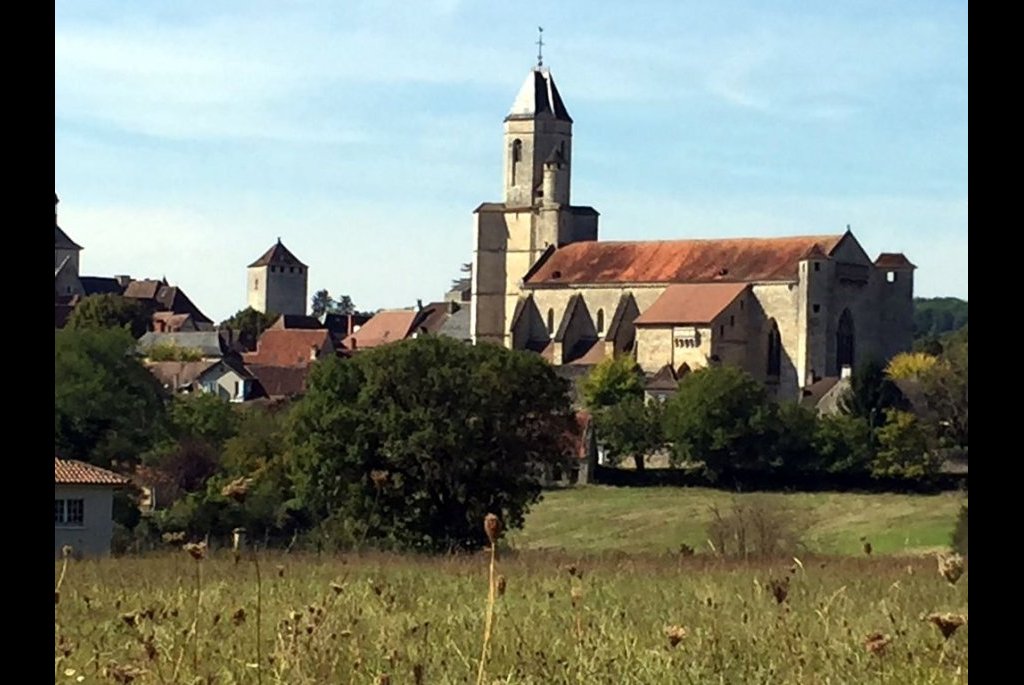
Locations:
(675, 634)
(951, 567)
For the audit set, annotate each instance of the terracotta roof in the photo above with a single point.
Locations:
(690, 303)
(280, 381)
(433, 316)
(207, 343)
(165, 297)
(289, 347)
(678, 261)
(278, 255)
(169, 322)
(71, 472)
(893, 260)
(385, 327)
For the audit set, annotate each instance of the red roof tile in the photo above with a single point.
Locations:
(385, 327)
(679, 261)
(690, 303)
(281, 381)
(290, 347)
(893, 260)
(71, 472)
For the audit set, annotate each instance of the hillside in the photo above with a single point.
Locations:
(937, 315)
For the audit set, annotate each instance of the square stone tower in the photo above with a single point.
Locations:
(277, 282)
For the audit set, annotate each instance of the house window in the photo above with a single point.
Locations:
(721, 330)
(256, 284)
(300, 270)
(816, 308)
(292, 269)
(817, 266)
(732, 320)
(551, 322)
(600, 321)
(69, 512)
(890, 277)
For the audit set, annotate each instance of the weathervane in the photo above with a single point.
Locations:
(540, 46)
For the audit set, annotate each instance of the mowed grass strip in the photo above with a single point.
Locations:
(656, 520)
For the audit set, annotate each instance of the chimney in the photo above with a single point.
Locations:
(123, 280)
(810, 378)
(419, 305)
(846, 371)
(348, 324)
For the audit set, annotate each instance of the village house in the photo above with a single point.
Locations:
(83, 505)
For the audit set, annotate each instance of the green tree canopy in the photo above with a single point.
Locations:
(110, 311)
(249, 323)
(107, 406)
(938, 315)
(611, 381)
(630, 428)
(322, 303)
(722, 417)
(417, 441)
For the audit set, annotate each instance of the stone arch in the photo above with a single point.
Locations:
(845, 341)
(773, 363)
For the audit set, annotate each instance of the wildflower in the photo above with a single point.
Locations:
(66, 551)
(675, 635)
(492, 526)
(876, 643)
(197, 550)
(501, 584)
(951, 567)
(947, 623)
(779, 588)
(379, 478)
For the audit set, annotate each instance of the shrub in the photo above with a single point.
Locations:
(757, 527)
(904, 448)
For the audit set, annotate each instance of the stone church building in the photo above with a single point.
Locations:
(789, 310)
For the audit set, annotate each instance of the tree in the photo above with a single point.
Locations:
(938, 315)
(910, 365)
(722, 417)
(322, 303)
(630, 428)
(946, 390)
(870, 394)
(249, 324)
(417, 441)
(904, 448)
(110, 311)
(844, 443)
(107, 406)
(611, 381)
(204, 417)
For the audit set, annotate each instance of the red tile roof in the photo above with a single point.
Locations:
(289, 347)
(690, 303)
(893, 260)
(385, 327)
(679, 261)
(71, 472)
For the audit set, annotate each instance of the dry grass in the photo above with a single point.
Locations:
(611, 619)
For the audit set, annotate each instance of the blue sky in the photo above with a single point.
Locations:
(190, 135)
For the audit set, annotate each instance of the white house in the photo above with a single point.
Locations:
(83, 501)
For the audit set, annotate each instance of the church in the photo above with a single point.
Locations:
(789, 310)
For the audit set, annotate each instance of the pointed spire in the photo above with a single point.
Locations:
(539, 98)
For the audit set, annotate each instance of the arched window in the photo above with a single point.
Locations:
(551, 322)
(774, 366)
(844, 341)
(517, 156)
(600, 322)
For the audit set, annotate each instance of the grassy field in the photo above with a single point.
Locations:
(600, 519)
(378, 619)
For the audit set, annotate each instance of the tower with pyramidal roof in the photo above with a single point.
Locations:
(277, 282)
